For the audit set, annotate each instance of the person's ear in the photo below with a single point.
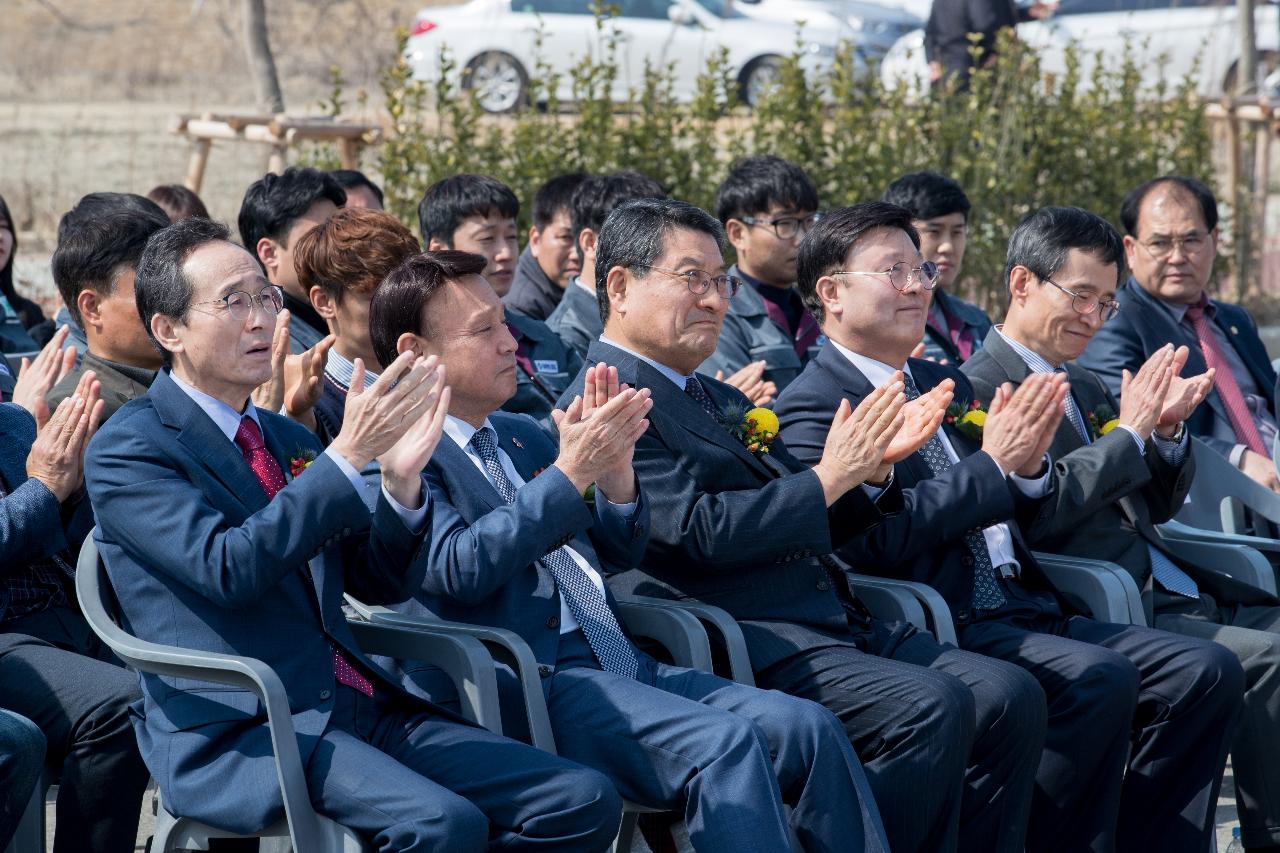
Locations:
(1021, 280)
(616, 284)
(409, 342)
(89, 304)
(435, 244)
(1130, 250)
(736, 232)
(324, 304)
(269, 253)
(165, 330)
(828, 290)
(535, 240)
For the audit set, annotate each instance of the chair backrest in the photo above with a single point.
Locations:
(101, 610)
(1221, 494)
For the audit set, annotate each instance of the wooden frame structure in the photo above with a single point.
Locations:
(280, 132)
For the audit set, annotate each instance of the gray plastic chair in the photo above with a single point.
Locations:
(1102, 589)
(1244, 558)
(1225, 499)
(908, 601)
(302, 828)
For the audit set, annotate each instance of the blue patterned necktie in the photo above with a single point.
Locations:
(585, 601)
(987, 594)
(694, 389)
(1164, 570)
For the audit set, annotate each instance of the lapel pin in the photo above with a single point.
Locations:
(1234, 330)
(516, 442)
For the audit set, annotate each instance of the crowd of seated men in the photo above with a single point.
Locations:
(252, 426)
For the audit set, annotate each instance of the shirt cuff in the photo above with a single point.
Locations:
(1237, 454)
(1142, 445)
(1173, 452)
(414, 520)
(625, 510)
(877, 492)
(1034, 488)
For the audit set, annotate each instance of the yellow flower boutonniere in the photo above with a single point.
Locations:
(1103, 421)
(967, 420)
(755, 428)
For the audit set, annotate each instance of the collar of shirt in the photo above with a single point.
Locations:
(140, 375)
(1034, 360)
(576, 281)
(677, 378)
(1179, 309)
(877, 372)
(341, 370)
(225, 418)
(461, 431)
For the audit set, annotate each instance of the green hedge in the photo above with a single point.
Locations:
(1017, 140)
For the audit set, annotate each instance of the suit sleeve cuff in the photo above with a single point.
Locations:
(1137, 439)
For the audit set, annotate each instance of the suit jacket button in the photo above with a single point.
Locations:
(325, 694)
(962, 616)
(823, 585)
(544, 670)
(553, 622)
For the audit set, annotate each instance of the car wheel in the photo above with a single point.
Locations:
(498, 81)
(1268, 62)
(760, 76)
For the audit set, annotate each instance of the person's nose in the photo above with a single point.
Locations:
(508, 343)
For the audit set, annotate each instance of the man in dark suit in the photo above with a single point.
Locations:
(208, 548)
(951, 23)
(955, 329)
(99, 243)
(53, 669)
(949, 740)
(1171, 241)
(967, 492)
(1122, 468)
(477, 213)
(514, 544)
(550, 259)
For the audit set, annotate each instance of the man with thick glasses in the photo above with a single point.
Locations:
(766, 205)
(969, 493)
(1170, 245)
(1115, 484)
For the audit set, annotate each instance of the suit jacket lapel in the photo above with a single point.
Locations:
(513, 444)
(465, 482)
(201, 436)
(1232, 334)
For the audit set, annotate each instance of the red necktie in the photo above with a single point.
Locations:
(1225, 383)
(271, 476)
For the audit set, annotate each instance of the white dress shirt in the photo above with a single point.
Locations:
(998, 536)
(460, 432)
(227, 420)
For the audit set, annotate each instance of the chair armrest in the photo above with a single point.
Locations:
(677, 630)
(503, 645)
(1225, 554)
(889, 600)
(1105, 590)
(463, 658)
(936, 611)
(93, 589)
(717, 620)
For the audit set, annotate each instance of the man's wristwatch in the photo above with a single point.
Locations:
(1176, 438)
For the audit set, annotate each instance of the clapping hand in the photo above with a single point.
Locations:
(1142, 395)
(304, 381)
(1183, 395)
(1021, 424)
(921, 419)
(859, 438)
(270, 394)
(376, 417)
(402, 465)
(37, 378)
(57, 456)
(599, 431)
(751, 382)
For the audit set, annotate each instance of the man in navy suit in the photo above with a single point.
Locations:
(53, 669)
(1171, 242)
(208, 548)
(515, 544)
(968, 491)
(949, 739)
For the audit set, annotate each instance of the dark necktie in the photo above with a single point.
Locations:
(271, 476)
(987, 594)
(693, 387)
(585, 601)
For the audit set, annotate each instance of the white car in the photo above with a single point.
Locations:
(496, 42)
(1167, 38)
(873, 27)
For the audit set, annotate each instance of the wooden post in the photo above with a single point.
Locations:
(349, 153)
(279, 158)
(195, 165)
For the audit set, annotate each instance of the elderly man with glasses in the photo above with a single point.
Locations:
(1135, 715)
(1170, 246)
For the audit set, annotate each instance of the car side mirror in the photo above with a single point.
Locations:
(681, 15)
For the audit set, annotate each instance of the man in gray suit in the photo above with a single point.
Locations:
(1121, 468)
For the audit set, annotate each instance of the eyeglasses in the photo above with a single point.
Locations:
(786, 227)
(699, 281)
(239, 303)
(1162, 248)
(902, 275)
(1087, 303)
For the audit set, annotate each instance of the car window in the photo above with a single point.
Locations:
(1093, 7)
(553, 7)
(642, 8)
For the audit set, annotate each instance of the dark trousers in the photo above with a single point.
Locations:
(1167, 703)
(725, 754)
(56, 673)
(950, 740)
(21, 758)
(1252, 633)
(411, 781)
